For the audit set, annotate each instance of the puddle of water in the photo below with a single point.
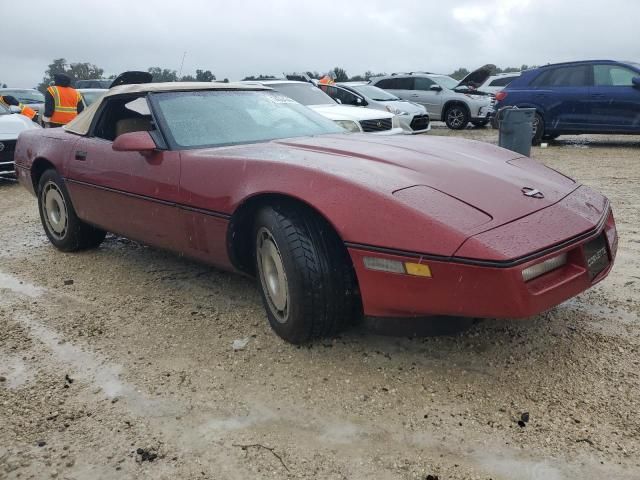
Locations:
(344, 432)
(14, 285)
(90, 368)
(15, 370)
(584, 467)
(517, 469)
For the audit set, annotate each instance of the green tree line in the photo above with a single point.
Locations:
(88, 71)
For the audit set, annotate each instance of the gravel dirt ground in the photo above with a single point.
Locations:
(119, 363)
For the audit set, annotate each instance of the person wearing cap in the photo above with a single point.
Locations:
(10, 100)
(62, 102)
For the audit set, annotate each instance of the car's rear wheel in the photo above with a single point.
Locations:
(456, 117)
(538, 129)
(305, 274)
(59, 219)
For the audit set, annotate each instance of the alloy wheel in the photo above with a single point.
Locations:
(456, 117)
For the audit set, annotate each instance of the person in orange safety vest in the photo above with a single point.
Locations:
(328, 79)
(62, 103)
(9, 100)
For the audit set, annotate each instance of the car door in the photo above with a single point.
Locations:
(424, 95)
(344, 96)
(563, 94)
(126, 192)
(614, 103)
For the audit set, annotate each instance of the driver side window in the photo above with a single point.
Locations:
(123, 115)
(423, 83)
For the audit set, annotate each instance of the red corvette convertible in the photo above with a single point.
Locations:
(333, 224)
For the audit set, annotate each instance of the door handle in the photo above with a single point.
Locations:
(598, 95)
(82, 156)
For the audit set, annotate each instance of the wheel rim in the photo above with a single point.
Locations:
(55, 210)
(455, 117)
(535, 124)
(272, 275)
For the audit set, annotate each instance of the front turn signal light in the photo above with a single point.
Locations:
(417, 269)
(396, 266)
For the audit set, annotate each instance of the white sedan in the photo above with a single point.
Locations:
(11, 125)
(353, 119)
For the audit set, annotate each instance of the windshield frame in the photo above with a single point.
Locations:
(157, 115)
(439, 80)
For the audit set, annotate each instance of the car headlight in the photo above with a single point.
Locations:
(396, 111)
(349, 125)
(395, 122)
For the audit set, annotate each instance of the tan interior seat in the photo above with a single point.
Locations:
(137, 124)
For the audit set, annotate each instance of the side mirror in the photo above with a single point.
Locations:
(134, 142)
(435, 88)
(361, 102)
(636, 82)
(14, 109)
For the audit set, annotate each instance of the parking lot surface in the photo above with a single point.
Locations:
(130, 362)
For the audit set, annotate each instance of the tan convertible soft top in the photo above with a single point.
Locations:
(82, 122)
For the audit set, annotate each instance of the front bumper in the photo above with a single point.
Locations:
(488, 290)
(483, 113)
(414, 124)
(7, 166)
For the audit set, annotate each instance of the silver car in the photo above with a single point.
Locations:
(446, 99)
(413, 117)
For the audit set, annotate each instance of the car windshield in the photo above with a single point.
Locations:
(445, 81)
(90, 97)
(374, 93)
(303, 93)
(217, 118)
(25, 96)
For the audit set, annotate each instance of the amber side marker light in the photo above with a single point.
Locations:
(534, 271)
(396, 266)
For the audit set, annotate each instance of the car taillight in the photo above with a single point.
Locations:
(501, 95)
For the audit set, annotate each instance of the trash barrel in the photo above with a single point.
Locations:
(516, 129)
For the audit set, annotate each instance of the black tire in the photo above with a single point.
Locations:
(456, 116)
(480, 123)
(59, 219)
(549, 137)
(538, 130)
(305, 274)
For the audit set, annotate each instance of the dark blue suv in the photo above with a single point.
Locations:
(595, 96)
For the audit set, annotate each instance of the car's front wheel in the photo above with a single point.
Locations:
(59, 219)
(305, 274)
(456, 117)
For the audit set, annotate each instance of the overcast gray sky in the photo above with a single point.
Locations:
(238, 38)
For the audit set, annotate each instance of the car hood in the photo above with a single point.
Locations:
(345, 112)
(405, 106)
(488, 178)
(12, 125)
(477, 77)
